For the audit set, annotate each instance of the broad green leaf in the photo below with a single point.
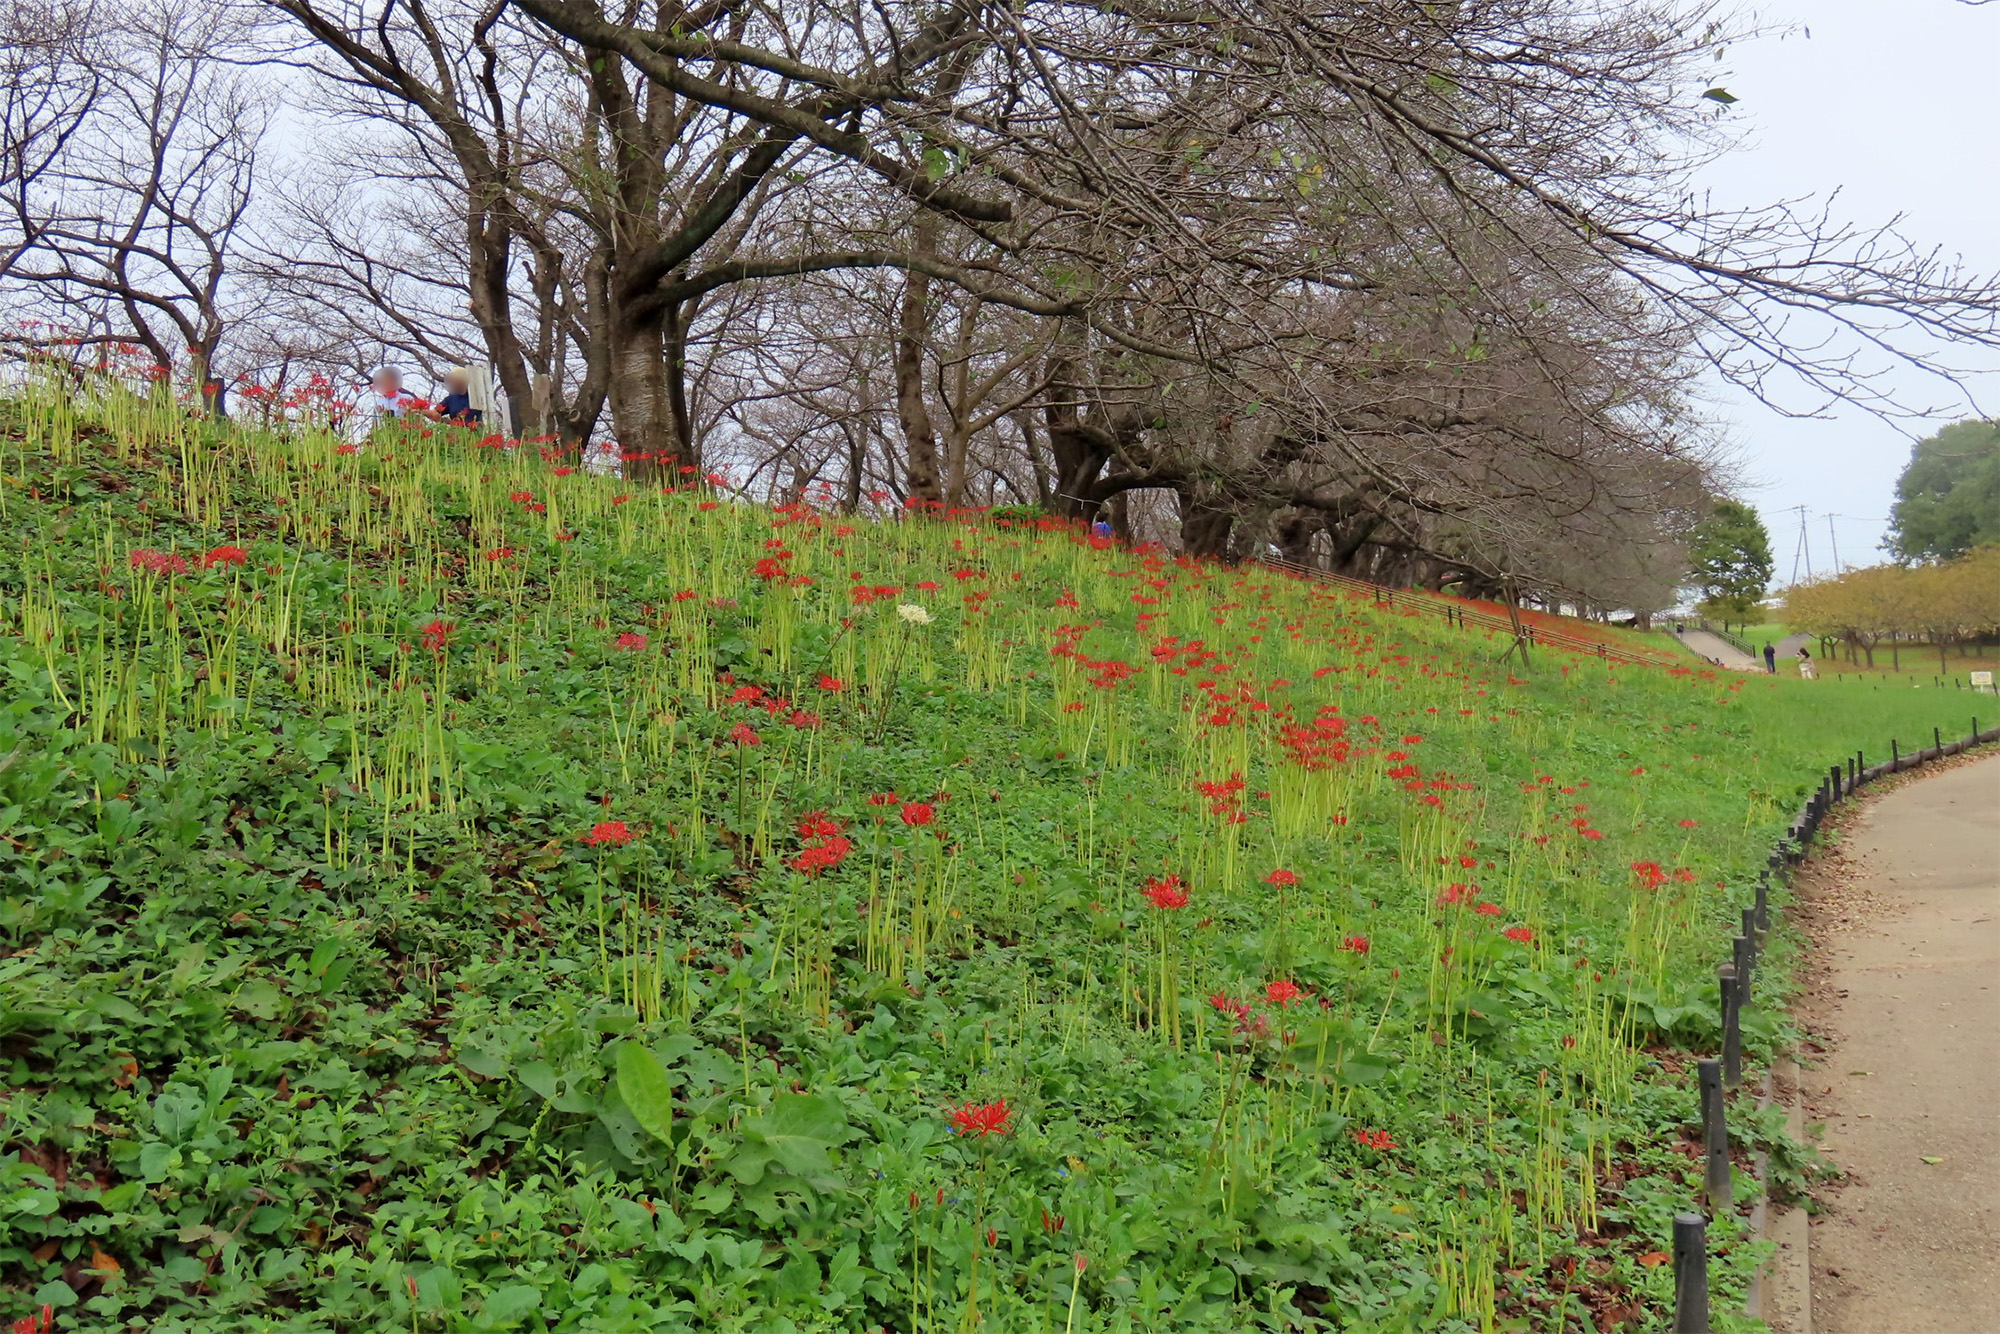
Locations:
(795, 1135)
(643, 1084)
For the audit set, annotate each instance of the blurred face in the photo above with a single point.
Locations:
(458, 384)
(388, 383)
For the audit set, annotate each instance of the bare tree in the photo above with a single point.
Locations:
(140, 214)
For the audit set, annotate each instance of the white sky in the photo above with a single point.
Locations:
(1890, 102)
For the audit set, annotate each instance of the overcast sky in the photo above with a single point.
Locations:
(1891, 103)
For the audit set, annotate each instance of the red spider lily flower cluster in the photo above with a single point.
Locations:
(1282, 878)
(1377, 1140)
(976, 1120)
(612, 833)
(1355, 944)
(224, 555)
(862, 594)
(1519, 934)
(437, 634)
(1225, 797)
(162, 563)
(916, 814)
(1249, 1023)
(825, 846)
(630, 643)
(1318, 745)
(43, 1322)
(1168, 892)
(772, 568)
(1282, 992)
(745, 735)
(833, 685)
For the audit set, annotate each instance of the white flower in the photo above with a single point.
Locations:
(912, 613)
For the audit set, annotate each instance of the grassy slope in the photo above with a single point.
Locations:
(322, 1014)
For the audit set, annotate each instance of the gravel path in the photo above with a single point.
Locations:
(1905, 1002)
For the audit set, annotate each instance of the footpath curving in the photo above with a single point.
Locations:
(1905, 1002)
(1719, 651)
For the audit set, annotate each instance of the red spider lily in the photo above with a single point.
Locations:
(825, 852)
(437, 634)
(1052, 1222)
(745, 695)
(1689, 824)
(1282, 992)
(1168, 893)
(1377, 1140)
(1649, 873)
(347, 449)
(918, 813)
(1355, 945)
(499, 553)
(1281, 877)
(614, 832)
(521, 497)
(162, 563)
(42, 1323)
(980, 1119)
(1519, 933)
(817, 824)
(224, 555)
(831, 684)
(745, 735)
(882, 799)
(803, 719)
(1487, 909)
(630, 643)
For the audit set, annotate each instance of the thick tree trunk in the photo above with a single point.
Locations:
(640, 415)
(919, 436)
(1205, 524)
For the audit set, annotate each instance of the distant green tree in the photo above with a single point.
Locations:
(1948, 498)
(1729, 559)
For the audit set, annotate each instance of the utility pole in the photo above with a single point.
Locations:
(1835, 541)
(1803, 551)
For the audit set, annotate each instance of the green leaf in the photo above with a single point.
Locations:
(509, 1306)
(1722, 95)
(539, 1076)
(794, 1135)
(648, 1095)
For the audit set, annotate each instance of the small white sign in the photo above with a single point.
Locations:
(1982, 681)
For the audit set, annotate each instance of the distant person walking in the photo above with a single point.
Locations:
(1770, 660)
(455, 408)
(1806, 671)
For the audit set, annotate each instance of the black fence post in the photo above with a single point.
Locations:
(1744, 956)
(1690, 1274)
(1732, 1026)
(1895, 759)
(1714, 1135)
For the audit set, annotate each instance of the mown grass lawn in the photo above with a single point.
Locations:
(448, 890)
